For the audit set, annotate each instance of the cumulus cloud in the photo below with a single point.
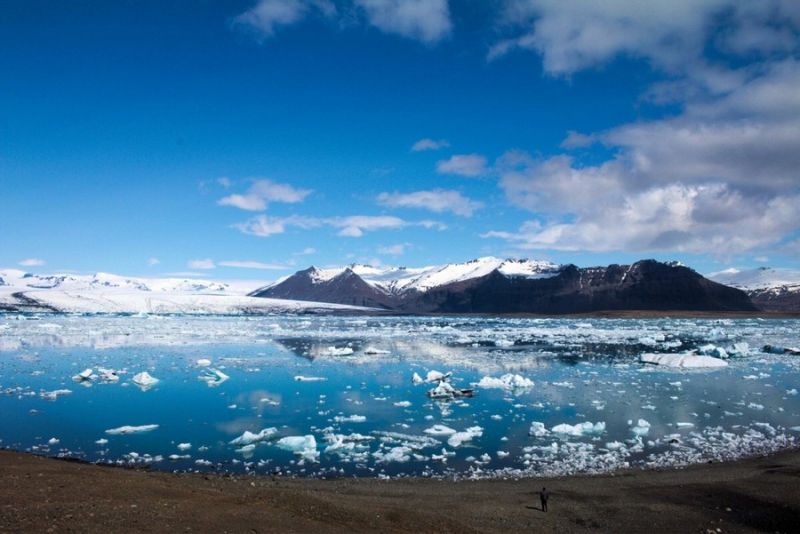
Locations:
(429, 144)
(436, 200)
(32, 262)
(470, 165)
(204, 264)
(153, 262)
(424, 20)
(251, 265)
(261, 193)
(571, 36)
(356, 225)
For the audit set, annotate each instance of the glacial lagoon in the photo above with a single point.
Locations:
(333, 396)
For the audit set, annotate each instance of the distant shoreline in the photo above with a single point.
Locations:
(748, 495)
(603, 314)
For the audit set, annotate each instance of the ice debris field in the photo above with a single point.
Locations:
(463, 397)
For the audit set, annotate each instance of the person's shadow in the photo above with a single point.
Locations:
(538, 508)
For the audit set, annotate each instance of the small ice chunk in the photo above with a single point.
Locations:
(213, 377)
(86, 374)
(373, 350)
(403, 404)
(203, 362)
(53, 395)
(301, 378)
(144, 380)
(502, 454)
(128, 429)
(184, 446)
(416, 379)
(108, 375)
(681, 424)
(102, 441)
(53, 441)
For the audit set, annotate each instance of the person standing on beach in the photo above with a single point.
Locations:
(543, 496)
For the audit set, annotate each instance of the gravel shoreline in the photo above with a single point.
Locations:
(49, 495)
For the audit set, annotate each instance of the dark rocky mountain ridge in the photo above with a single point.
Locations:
(644, 285)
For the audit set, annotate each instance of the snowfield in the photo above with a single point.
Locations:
(107, 293)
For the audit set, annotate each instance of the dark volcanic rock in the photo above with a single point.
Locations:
(777, 299)
(644, 285)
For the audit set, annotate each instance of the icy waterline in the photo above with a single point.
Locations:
(334, 396)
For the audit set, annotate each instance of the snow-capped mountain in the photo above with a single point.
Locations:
(770, 288)
(492, 285)
(399, 280)
(109, 293)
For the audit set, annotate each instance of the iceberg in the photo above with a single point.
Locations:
(439, 430)
(86, 374)
(580, 429)
(642, 428)
(458, 438)
(685, 360)
(538, 429)
(508, 381)
(305, 446)
(301, 378)
(350, 419)
(248, 437)
(128, 429)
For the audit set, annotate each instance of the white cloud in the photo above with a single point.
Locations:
(306, 251)
(262, 192)
(32, 262)
(393, 250)
(356, 225)
(427, 21)
(350, 226)
(436, 200)
(266, 16)
(429, 144)
(224, 182)
(251, 265)
(470, 165)
(423, 20)
(264, 226)
(153, 261)
(204, 264)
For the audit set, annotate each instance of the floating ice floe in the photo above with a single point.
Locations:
(339, 351)
(184, 446)
(248, 438)
(538, 429)
(373, 350)
(53, 441)
(101, 441)
(455, 440)
(213, 377)
(350, 419)
(203, 362)
(439, 430)
(128, 429)
(403, 404)
(56, 393)
(507, 381)
(433, 376)
(399, 454)
(144, 380)
(580, 429)
(304, 446)
(301, 378)
(771, 349)
(713, 350)
(86, 374)
(108, 375)
(642, 428)
(685, 360)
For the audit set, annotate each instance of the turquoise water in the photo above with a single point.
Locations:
(583, 371)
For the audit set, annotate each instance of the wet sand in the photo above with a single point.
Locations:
(48, 495)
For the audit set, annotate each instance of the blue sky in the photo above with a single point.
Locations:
(250, 139)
